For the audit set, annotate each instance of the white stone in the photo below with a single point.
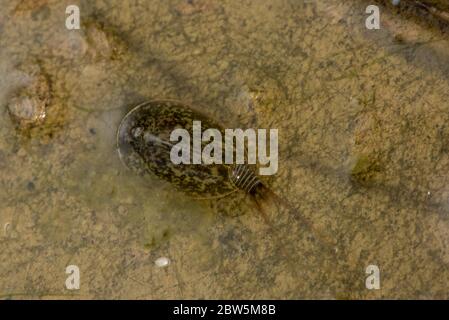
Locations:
(162, 262)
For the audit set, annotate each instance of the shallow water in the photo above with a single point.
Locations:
(362, 117)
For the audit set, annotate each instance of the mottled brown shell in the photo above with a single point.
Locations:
(144, 145)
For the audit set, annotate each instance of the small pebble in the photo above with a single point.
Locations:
(162, 262)
(7, 228)
(28, 103)
(395, 2)
(30, 186)
(27, 109)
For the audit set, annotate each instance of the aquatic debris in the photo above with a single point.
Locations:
(25, 6)
(93, 42)
(28, 105)
(162, 262)
(102, 42)
(365, 169)
(436, 8)
(7, 228)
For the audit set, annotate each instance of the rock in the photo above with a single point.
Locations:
(27, 109)
(162, 262)
(28, 104)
